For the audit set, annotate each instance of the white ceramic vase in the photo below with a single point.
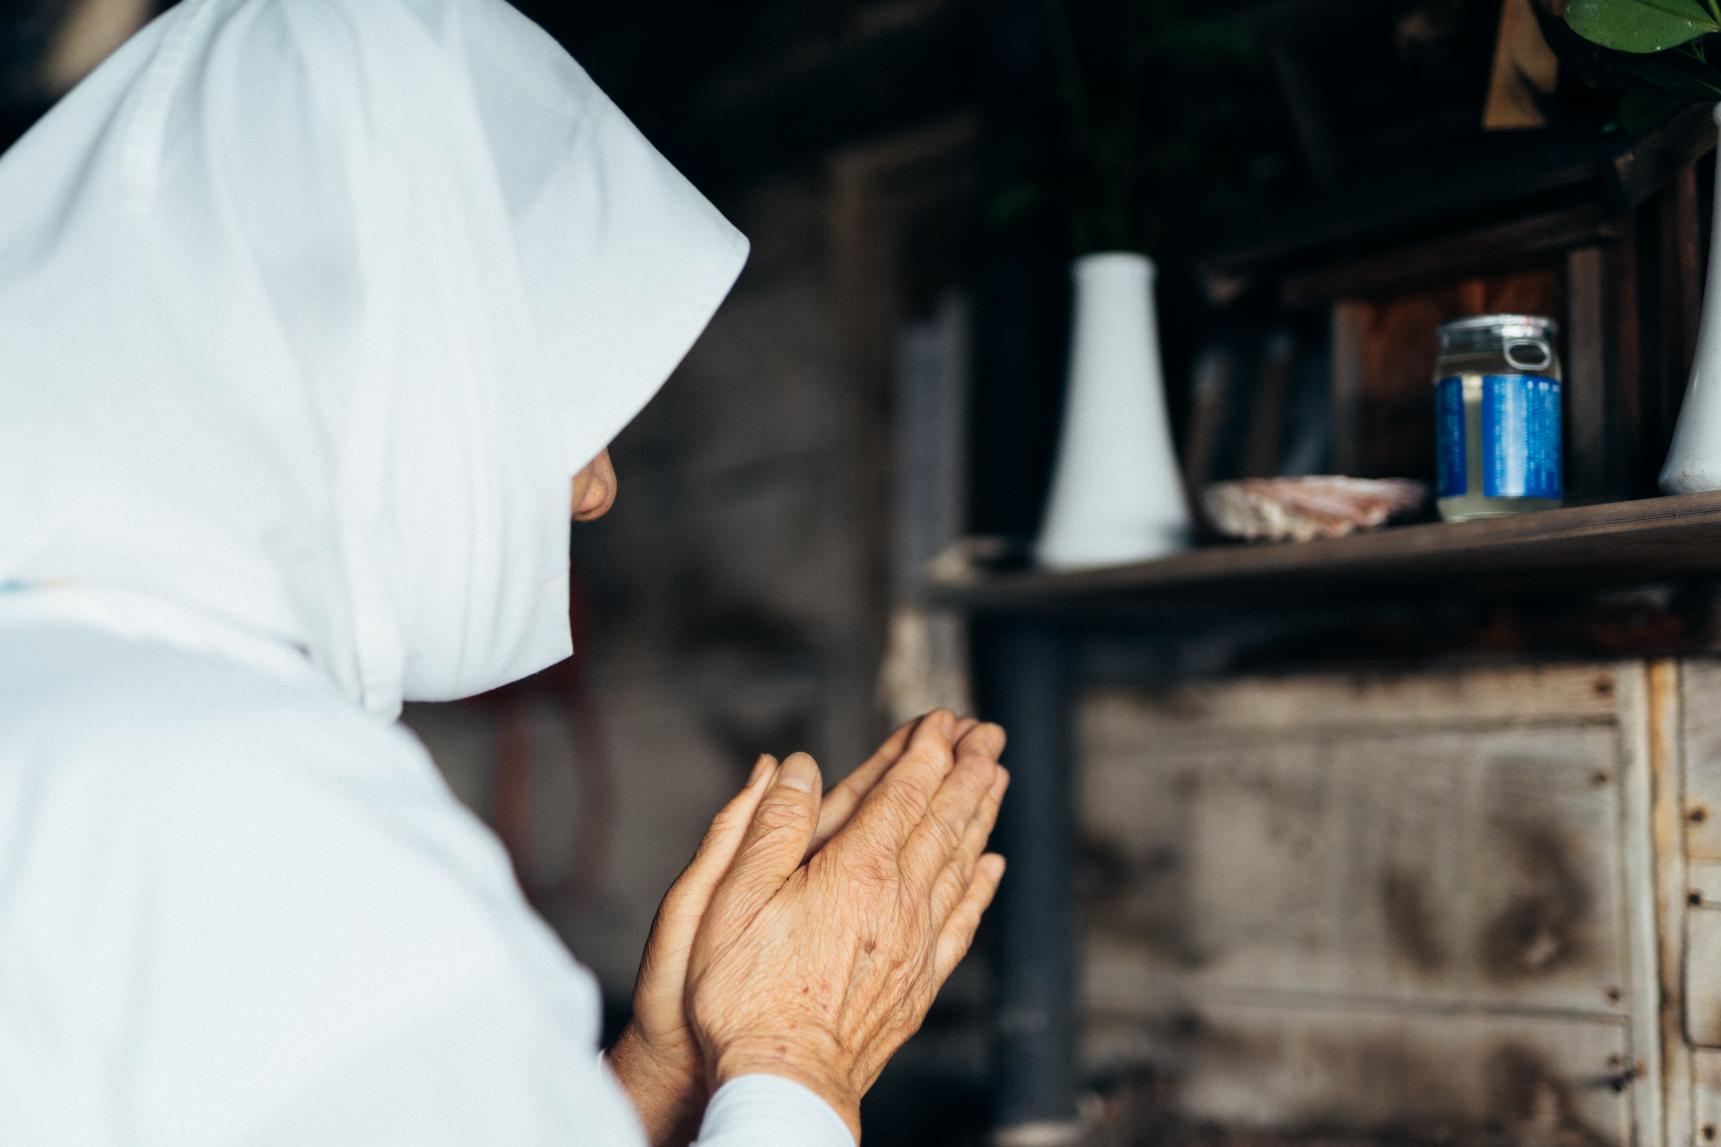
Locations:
(1694, 459)
(1117, 494)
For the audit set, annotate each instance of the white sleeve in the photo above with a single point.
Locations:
(295, 935)
(770, 1111)
(292, 934)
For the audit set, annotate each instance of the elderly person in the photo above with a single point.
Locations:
(309, 309)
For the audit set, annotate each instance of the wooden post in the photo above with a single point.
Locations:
(1035, 942)
(1596, 442)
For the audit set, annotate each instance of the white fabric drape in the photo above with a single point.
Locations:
(309, 309)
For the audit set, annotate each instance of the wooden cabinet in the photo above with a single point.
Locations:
(1431, 907)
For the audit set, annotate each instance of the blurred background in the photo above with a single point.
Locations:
(1329, 875)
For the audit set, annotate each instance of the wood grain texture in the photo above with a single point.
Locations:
(1386, 1076)
(1450, 869)
(1700, 692)
(1701, 720)
(1484, 249)
(1121, 720)
(1642, 542)
(1594, 446)
(1378, 902)
(1653, 906)
(1499, 173)
(1705, 1100)
(1703, 977)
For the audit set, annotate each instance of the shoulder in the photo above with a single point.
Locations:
(308, 914)
(232, 818)
(159, 717)
(151, 746)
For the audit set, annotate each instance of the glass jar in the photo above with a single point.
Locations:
(1498, 422)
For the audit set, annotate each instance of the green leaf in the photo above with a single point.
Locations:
(1678, 73)
(1643, 109)
(1682, 71)
(1641, 25)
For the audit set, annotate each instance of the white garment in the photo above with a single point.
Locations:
(236, 910)
(308, 311)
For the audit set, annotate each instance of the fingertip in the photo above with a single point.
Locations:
(934, 735)
(985, 739)
(762, 768)
(800, 772)
(993, 865)
(1001, 784)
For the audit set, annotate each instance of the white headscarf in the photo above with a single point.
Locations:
(309, 310)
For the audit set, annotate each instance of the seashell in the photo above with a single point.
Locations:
(1303, 509)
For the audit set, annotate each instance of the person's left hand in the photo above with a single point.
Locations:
(656, 1058)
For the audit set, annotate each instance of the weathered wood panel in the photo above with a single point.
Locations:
(1407, 1076)
(1705, 1097)
(1655, 899)
(1703, 883)
(1477, 867)
(1377, 905)
(1700, 682)
(1117, 720)
(1703, 977)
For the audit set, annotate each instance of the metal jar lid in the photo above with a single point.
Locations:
(1524, 342)
(1517, 324)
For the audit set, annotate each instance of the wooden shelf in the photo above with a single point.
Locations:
(1547, 179)
(1622, 544)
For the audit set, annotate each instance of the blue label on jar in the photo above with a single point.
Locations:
(1521, 456)
(1453, 461)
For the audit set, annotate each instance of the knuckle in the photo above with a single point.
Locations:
(777, 815)
(875, 869)
(947, 892)
(977, 773)
(901, 801)
(936, 755)
(919, 878)
(944, 833)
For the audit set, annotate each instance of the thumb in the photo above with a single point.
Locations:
(685, 903)
(780, 831)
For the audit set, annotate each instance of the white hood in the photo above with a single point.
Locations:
(309, 310)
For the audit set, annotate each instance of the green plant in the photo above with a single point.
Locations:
(1141, 125)
(1660, 54)
(1643, 25)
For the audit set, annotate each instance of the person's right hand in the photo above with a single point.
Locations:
(820, 971)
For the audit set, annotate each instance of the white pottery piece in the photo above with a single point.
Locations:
(1694, 459)
(1117, 495)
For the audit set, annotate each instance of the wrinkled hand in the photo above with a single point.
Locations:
(656, 1058)
(820, 971)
